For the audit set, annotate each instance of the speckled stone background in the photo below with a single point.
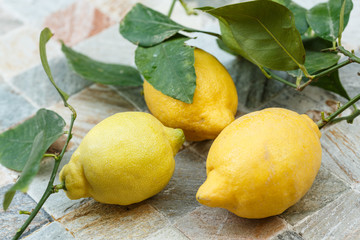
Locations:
(330, 210)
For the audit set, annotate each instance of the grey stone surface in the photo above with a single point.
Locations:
(288, 235)
(35, 84)
(178, 198)
(202, 148)
(216, 223)
(7, 22)
(325, 189)
(14, 107)
(34, 11)
(338, 220)
(53, 231)
(134, 95)
(167, 233)
(349, 77)
(11, 220)
(341, 151)
(58, 204)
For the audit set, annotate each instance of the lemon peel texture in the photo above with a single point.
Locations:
(262, 163)
(124, 159)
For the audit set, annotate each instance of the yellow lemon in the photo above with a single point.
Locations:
(214, 103)
(262, 163)
(124, 159)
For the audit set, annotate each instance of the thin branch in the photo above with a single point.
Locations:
(280, 79)
(351, 56)
(189, 11)
(171, 8)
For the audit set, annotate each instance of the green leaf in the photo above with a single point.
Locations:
(30, 169)
(317, 61)
(169, 68)
(224, 47)
(16, 144)
(264, 32)
(324, 18)
(332, 83)
(147, 27)
(299, 14)
(45, 36)
(316, 44)
(105, 73)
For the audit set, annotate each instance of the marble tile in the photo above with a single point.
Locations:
(14, 107)
(77, 22)
(114, 8)
(349, 77)
(134, 95)
(35, 84)
(217, 223)
(19, 51)
(167, 233)
(202, 148)
(34, 11)
(92, 105)
(52, 231)
(101, 221)
(178, 198)
(11, 220)
(338, 220)
(8, 22)
(341, 151)
(58, 204)
(288, 235)
(325, 189)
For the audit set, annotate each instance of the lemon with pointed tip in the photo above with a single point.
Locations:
(214, 104)
(262, 163)
(124, 159)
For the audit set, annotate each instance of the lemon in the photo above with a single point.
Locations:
(124, 159)
(214, 103)
(262, 163)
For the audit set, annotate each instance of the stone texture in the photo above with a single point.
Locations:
(58, 204)
(19, 50)
(101, 221)
(53, 231)
(217, 223)
(341, 151)
(288, 235)
(178, 198)
(11, 220)
(7, 176)
(167, 233)
(325, 189)
(7, 22)
(338, 220)
(35, 84)
(92, 105)
(202, 148)
(34, 11)
(113, 8)
(77, 22)
(14, 107)
(349, 77)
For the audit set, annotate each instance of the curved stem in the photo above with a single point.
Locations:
(332, 117)
(351, 55)
(277, 78)
(171, 8)
(50, 189)
(189, 11)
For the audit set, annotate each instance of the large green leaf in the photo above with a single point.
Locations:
(169, 68)
(317, 61)
(105, 73)
(332, 83)
(264, 32)
(147, 27)
(299, 14)
(324, 18)
(16, 144)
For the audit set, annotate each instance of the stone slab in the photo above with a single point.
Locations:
(167, 233)
(77, 22)
(8, 22)
(288, 235)
(338, 220)
(19, 50)
(7, 176)
(178, 198)
(216, 223)
(101, 221)
(11, 220)
(52, 231)
(14, 107)
(34, 11)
